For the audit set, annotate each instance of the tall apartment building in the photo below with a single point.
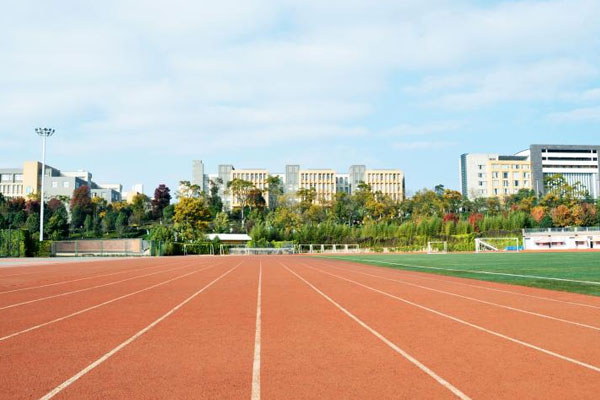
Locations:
(20, 182)
(494, 175)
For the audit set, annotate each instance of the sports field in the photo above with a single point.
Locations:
(571, 272)
(287, 327)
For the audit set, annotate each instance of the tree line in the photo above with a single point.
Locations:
(271, 216)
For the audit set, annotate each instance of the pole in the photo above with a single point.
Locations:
(44, 133)
(42, 194)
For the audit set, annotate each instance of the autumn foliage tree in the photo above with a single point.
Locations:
(162, 198)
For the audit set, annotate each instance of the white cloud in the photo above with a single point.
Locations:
(423, 129)
(586, 114)
(423, 145)
(186, 77)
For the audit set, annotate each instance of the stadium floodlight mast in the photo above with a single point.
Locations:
(44, 133)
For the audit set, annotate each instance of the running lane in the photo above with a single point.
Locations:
(34, 363)
(22, 317)
(312, 350)
(479, 363)
(203, 351)
(73, 272)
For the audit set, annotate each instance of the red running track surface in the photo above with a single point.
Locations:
(286, 327)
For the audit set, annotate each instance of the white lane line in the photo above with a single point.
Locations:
(100, 305)
(480, 328)
(106, 356)
(566, 321)
(385, 340)
(83, 279)
(90, 288)
(408, 273)
(482, 272)
(256, 363)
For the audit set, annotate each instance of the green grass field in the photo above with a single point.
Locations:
(571, 272)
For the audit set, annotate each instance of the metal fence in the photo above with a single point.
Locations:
(12, 243)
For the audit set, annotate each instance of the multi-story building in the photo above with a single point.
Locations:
(386, 181)
(20, 182)
(199, 178)
(258, 177)
(493, 175)
(576, 163)
(326, 182)
(321, 180)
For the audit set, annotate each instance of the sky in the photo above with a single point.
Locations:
(137, 90)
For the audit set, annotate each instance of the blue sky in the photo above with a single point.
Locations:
(137, 92)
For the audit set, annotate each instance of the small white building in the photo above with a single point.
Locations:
(583, 238)
(230, 238)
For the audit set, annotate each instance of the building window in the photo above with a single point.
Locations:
(54, 184)
(516, 183)
(505, 175)
(65, 184)
(18, 178)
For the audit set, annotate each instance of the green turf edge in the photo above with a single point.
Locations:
(563, 286)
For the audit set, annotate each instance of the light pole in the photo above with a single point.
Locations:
(44, 133)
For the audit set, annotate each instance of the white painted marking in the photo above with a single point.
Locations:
(106, 356)
(89, 288)
(469, 298)
(483, 272)
(500, 335)
(388, 342)
(256, 363)
(100, 305)
(82, 279)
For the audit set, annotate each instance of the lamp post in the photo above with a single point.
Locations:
(44, 133)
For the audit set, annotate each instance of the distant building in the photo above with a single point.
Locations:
(20, 182)
(494, 175)
(136, 189)
(326, 182)
(576, 163)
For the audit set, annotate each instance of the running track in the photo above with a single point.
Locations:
(286, 327)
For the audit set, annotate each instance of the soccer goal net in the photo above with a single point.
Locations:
(328, 248)
(437, 247)
(497, 244)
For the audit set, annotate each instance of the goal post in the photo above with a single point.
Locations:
(437, 247)
(497, 244)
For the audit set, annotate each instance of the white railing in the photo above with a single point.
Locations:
(565, 229)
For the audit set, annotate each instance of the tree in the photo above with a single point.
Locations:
(240, 189)
(275, 190)
(58, 225)
(221, 223)
(162, 198)
(81, 206)
(215, 203)
(121, 223)
(32, 224)
(191, 217)
(307, 196)
(561, 216)
(139, 207)
(88, 224)
(538, 213)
